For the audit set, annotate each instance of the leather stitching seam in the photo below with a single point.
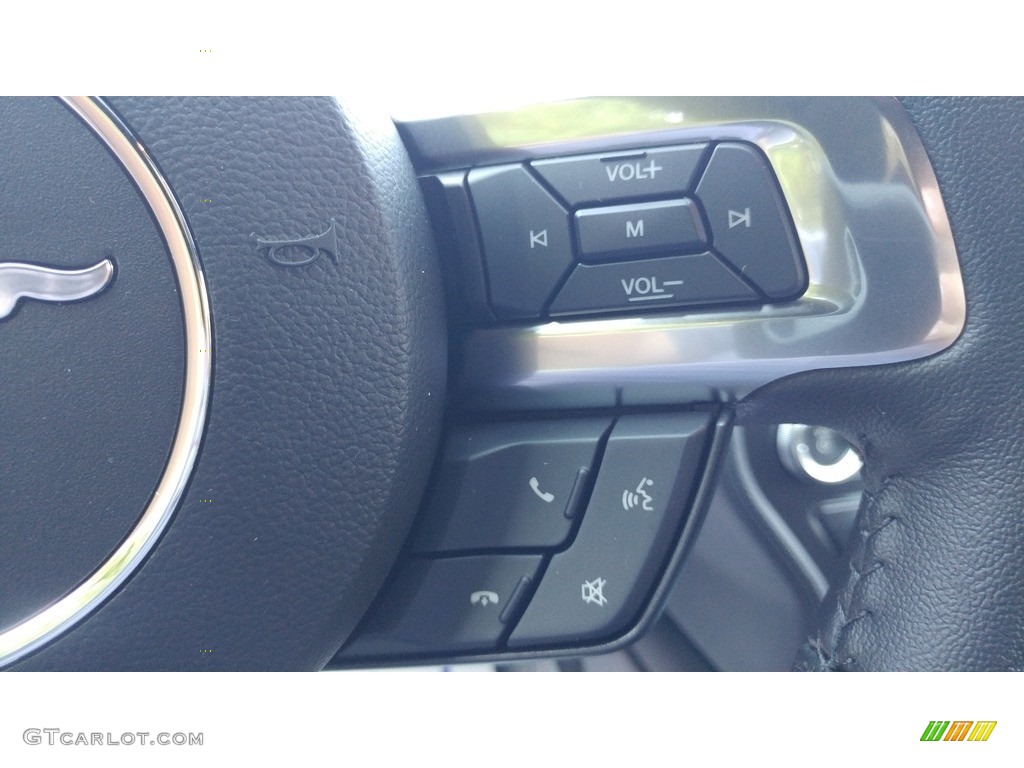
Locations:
(849, 617)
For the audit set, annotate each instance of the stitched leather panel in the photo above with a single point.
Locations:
(936, 579)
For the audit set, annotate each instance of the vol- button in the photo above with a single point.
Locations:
(526, 242)
(669, 282)
(645, 288)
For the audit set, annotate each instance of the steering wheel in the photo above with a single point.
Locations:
(263, 371)
(935, 579)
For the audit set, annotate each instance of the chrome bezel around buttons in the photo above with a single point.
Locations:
(884, 283)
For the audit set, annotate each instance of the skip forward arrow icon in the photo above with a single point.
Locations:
(736, 218)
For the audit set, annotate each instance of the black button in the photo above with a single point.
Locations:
(650, 284)
(452, 605)
(621, 231)
(622, 175)
(749, 220)
(525, 236)
(510, 485)
(596, 588)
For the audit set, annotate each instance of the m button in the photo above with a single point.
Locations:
(620, 232)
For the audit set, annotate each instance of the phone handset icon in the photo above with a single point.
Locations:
(535, 485)
(484, 597)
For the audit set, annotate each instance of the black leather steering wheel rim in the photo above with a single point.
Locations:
(936, 580)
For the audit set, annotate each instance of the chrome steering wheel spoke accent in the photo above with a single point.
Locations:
(884, 280)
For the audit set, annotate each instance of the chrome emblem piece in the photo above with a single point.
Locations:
(19, 280)
(24, 638)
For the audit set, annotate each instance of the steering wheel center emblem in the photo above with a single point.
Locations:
(115, 473)
(20, 280)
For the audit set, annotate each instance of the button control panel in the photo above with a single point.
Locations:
(540, 534)
(557, 235)
(596, 587)
(558, 531)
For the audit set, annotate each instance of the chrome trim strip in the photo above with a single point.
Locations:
(23, 638)
(20, 280)
(884, 281)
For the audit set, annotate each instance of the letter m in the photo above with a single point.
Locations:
(935, 730)
(958, 730)
(982, 730)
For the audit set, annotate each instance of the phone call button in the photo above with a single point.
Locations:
(510, 485)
